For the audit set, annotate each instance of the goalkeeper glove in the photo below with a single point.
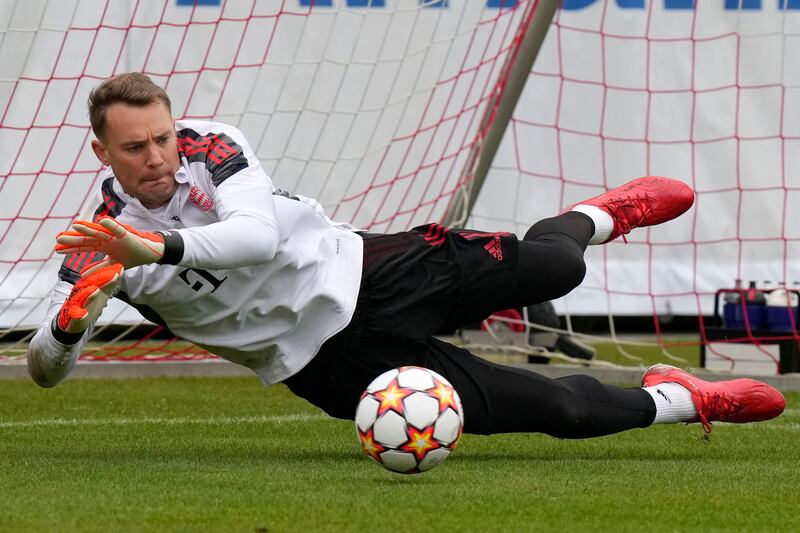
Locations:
(120, 242)
(88, 298)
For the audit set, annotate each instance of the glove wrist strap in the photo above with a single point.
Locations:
(173, 248)
(64, 337)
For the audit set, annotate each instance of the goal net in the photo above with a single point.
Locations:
(702, 91)
(375, 107)
(371, 107)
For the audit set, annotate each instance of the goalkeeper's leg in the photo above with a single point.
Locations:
(496, 398)
(550, 259)
(502, 399)
(551, 253)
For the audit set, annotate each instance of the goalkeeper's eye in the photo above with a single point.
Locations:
(134, 148)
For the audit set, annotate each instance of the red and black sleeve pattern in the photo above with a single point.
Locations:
(222, 156)
(111, 206)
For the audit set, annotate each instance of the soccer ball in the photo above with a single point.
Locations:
(409, 419)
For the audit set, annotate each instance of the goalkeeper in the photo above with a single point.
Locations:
(191, 232)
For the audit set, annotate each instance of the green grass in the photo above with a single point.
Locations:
(686, 348)
(219, 454)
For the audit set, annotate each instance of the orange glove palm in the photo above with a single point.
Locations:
(88, 298)
(120, 242)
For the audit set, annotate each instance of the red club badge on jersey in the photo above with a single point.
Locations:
(200, 199)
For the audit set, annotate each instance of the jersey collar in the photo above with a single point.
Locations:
(182, 175)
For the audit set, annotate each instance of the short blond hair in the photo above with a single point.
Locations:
(132, 88)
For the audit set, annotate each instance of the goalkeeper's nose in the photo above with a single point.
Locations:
(154, 157)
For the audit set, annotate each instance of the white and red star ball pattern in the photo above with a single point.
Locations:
(409, 419)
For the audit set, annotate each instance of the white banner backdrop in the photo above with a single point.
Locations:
(626, 89)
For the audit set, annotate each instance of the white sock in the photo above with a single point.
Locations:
(673, 403)
(603, 223)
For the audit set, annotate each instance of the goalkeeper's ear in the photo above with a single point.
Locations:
(100, 152)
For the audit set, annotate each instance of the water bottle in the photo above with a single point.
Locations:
(732, 315)
(756, 303)
(781, 309)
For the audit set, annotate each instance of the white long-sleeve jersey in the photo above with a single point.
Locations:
(264, 279)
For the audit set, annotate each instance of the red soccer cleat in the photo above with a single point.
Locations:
(737, 400)
(642, 202)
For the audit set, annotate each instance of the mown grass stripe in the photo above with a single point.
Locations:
(275, 419)
(755, 425)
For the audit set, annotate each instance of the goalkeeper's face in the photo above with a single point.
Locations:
(140, 145)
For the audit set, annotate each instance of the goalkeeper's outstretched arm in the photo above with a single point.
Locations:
(69, 323)
(246, 232)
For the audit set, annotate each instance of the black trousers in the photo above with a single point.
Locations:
(429, 280)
